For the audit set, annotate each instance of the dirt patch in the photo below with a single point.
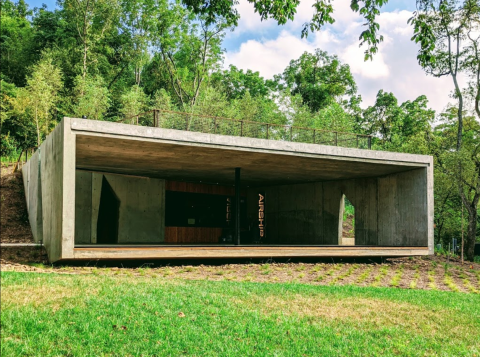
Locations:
(54, 296)
(369, 312)
(15, 227)
(433, 273)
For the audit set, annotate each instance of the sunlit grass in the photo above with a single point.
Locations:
(117, 315)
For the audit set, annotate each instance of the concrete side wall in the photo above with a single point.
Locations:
(389, 211)
(141, 212)
(33, 195)
(403, 214)
(50, 184)
(83, 207)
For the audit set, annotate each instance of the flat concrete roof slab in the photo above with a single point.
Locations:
(191, 156)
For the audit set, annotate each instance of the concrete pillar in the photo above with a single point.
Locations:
(237, 206)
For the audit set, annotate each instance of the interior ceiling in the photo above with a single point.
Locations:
(214, 165)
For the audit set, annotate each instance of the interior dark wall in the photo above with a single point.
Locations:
(108, 215)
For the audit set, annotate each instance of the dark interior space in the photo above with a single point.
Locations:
(108, 214)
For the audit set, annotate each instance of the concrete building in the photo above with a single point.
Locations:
(102, 190)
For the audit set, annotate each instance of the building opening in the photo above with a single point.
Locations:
(347, 218)
(108, 214)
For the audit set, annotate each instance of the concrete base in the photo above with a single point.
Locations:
(92, 253)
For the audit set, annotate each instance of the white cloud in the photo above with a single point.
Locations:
(269, 57)
(394, 68)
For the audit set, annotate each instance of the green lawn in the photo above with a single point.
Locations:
(87, 315)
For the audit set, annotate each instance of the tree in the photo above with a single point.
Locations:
(15, 41)
(133, 102)
(235, 83)
(92, 19)
(440, 31)
(449, 47)
(283, 11)
(403, 128)
(320, 79)
(38, 98)
(92, 97)
(190, 49)
(463, 165)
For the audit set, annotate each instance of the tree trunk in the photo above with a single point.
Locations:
(38, 128)
(471, 233)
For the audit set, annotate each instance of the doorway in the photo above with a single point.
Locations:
(108, 215)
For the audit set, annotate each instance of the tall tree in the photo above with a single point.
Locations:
(38, 98)
(283, 11)
(447, 33)
(319, 78)
(190, 49)
(91, 19)
(15, 41)
(92, 97)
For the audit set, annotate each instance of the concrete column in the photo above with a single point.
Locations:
(237, 206)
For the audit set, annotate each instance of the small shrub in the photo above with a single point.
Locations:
(364, 275)
(450, 283)
(431, 280)
(380, 276)
(397, 277)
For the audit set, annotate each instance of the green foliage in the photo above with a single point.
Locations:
(92, 97)
(35, 102)
(134, 102)
(320, 79)
(403, 128)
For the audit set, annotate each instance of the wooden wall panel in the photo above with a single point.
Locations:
(201, 188)
(192, 235)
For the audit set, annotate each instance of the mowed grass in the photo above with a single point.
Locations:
(88, 315)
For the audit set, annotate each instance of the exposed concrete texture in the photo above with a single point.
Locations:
(141, 212)
(312, 213)
(91, 253)
(180, 155)
(83, 207)
(33, 195)
(49, 178)
(293, 213)
(392, 192)
(403, 216)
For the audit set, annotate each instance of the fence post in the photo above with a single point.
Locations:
(267, 130)
(214, 125)
(241, 127)
(186, 123)
(336, 138)
(369, 142)
(291, 133)
(357, 141)
(314, 136)
(137, 119)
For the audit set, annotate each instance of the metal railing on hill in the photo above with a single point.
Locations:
(226, 126)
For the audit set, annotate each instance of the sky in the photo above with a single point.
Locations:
(268, 48)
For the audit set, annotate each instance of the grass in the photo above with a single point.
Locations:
(431, 280)
(416, 276)
(88, 315)
(364, 275)
(397, 277)
(383, 272)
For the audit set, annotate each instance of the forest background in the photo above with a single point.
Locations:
(111, 59)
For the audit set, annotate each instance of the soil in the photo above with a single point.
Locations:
(15, 227)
